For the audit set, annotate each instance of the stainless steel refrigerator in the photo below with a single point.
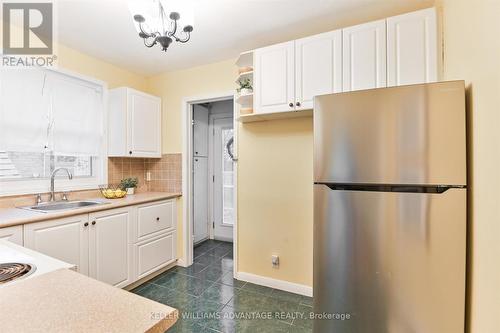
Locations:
(390, 207)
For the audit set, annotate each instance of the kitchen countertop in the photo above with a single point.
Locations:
(66, 301)
(15, 216)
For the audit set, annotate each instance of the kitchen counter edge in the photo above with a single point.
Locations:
(15, 216)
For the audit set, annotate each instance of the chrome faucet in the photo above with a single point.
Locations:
(52, 176)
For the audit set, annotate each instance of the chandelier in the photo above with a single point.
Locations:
(166, 30)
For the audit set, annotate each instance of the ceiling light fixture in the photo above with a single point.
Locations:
(166, 31)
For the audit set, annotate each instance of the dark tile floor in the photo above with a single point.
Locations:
(210, 300)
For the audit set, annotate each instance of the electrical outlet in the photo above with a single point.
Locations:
(275, 260)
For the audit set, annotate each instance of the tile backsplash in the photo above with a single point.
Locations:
(166, 172)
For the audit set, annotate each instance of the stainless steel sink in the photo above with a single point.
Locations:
(62, 205)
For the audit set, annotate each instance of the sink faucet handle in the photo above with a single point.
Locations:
(64, 196)
(38, 199)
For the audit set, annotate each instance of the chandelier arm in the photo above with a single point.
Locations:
(184, 40)
(174, 30)
(149, 34)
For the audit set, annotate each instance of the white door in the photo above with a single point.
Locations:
(13, 234)
(110, 254)
(412, 48)
(274, 76)
(364, 56)
(200, 131)
(318, 67)
(144, 117)
(200, 199)
(223, 196)
(65, 239)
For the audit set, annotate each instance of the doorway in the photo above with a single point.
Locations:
(212, 165)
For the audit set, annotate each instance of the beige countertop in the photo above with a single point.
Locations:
(66, 301)
(15, 216)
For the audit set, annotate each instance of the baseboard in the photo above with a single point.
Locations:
(181, 262)
(274, 283)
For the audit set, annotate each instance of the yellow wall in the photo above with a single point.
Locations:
(275, 199)
(115, 76)
(472, 53)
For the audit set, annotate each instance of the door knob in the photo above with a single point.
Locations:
(290, 105)
(93, 222)
(298, 103)
(157, 219)
(86, 224)
(130, 152)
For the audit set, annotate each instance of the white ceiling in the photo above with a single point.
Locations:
(222, 28)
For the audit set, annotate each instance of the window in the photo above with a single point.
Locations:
(228, 176)
(50, 119)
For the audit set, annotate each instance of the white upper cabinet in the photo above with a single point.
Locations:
(412, 49)
(364, 56)
(395, 51)
(318, 67)
(134, 124)
(274, 76)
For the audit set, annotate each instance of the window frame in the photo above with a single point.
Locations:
(35, 186)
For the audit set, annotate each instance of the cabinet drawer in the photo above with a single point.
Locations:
(154, 218)
(155, 254)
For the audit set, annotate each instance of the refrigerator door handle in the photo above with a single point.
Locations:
(403, 188)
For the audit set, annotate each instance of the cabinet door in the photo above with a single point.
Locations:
(200, 199)
(318, 67)
(364, 56)
(13, 234)
(64, 239)
(200, 131)
(144, 125)
(274, 76)
(155, 254)
(110, 253)
(412, 50)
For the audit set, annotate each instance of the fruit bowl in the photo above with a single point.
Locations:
(112, 191)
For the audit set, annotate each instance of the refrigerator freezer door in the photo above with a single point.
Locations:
(393, 262)
(400, 135)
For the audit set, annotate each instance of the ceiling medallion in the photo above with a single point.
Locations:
(168, 29)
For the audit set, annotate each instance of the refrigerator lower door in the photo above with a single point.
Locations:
(387, 262)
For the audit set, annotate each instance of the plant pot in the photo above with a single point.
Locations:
(246, 91)
(130, 190)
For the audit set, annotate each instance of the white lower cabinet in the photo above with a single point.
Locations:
(65, 239)
(154, 254)
(116, 246)
(13, 234)
(109, 250)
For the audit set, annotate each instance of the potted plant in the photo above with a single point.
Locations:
(245, 87)
(129, 185)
